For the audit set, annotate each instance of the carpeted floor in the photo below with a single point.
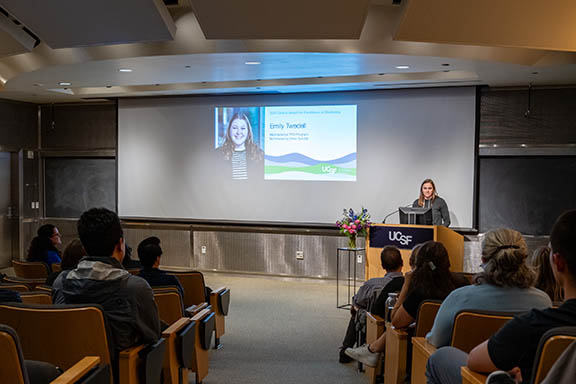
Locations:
(280, 331)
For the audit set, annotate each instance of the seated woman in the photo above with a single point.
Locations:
(43, 246)
(545, 281)
(430, 279)
(70, 258)
(505, 285)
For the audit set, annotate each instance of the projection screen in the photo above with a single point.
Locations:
(296, 158)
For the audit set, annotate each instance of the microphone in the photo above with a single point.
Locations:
(388, 215)
(391, 213)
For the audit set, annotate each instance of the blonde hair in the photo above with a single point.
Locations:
(504, 254)
(545, 280)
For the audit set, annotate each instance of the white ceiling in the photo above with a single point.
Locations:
(192, 64)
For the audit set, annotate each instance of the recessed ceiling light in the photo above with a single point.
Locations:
(124, 70)
(523, 145)
(252, 63)
(64, 83)
(402, 67)
(494, 145)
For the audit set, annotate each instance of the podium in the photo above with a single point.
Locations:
(405, 237)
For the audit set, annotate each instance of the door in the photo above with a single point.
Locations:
(6, 211)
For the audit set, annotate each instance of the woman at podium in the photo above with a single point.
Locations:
(429, 199)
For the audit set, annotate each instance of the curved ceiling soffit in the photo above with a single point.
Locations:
(376, 38)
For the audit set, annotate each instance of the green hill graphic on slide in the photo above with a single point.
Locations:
(318, 169)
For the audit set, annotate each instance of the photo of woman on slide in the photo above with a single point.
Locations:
(239, 151)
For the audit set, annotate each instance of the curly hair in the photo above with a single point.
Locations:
(99, 230)
(253, 152)
(504, 254)
(42, 243)
(432, 274)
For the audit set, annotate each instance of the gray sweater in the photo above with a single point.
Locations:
(440, 214)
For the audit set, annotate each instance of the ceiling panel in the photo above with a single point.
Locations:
(535, 24)
(295, 19)
(73, 23)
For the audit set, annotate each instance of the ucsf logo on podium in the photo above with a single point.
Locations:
(400, 237)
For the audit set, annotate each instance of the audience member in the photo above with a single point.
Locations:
(70, 258)
(430, 279)
(149, 253)
(545, 281)
(513, 348)
(99, 278)
(128, 263)
(391, 261)
(505, 285)
(43, 246)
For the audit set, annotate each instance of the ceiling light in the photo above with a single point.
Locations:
(64, 83)
(494, 145)
(402, 67)
(124, 70)
(523, 145)
(252, 63)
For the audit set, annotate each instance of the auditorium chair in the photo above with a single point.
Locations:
(87, 371)
(36, 297)
(63, 334)
(187, 347)
(44, 288)
(550, 347)
(397, 342)
(170, 304)
(31, 269)
(195, 294)
(31, 283)
(483, 323)
(15, 287)
(220, 302)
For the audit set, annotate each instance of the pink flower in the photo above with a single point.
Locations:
(351, 230)
(345, 226)
(354, 225)
(357, 221)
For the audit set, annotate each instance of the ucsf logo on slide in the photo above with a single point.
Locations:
(399, 237)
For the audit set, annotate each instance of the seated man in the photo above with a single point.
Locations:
(99, 278)
(149, 253)
(392, 281)
(513, 348)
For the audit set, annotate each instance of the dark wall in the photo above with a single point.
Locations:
(517, 189)
(78, 127)
(18, 125)
(552, 117)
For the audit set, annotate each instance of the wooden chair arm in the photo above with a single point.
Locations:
(200, 315)
(375, 318)
(176, 326)
(129, 363)
(471, 377)
(194, 309)
(218, 291)
(78, 370)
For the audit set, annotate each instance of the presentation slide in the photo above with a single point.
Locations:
(296, 158)
(316, 143)
(310, 143)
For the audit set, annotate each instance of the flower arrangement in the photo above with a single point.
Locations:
(353, 225)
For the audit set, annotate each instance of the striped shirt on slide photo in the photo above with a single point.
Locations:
(239, 169)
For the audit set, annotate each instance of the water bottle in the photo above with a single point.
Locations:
(390, 303)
